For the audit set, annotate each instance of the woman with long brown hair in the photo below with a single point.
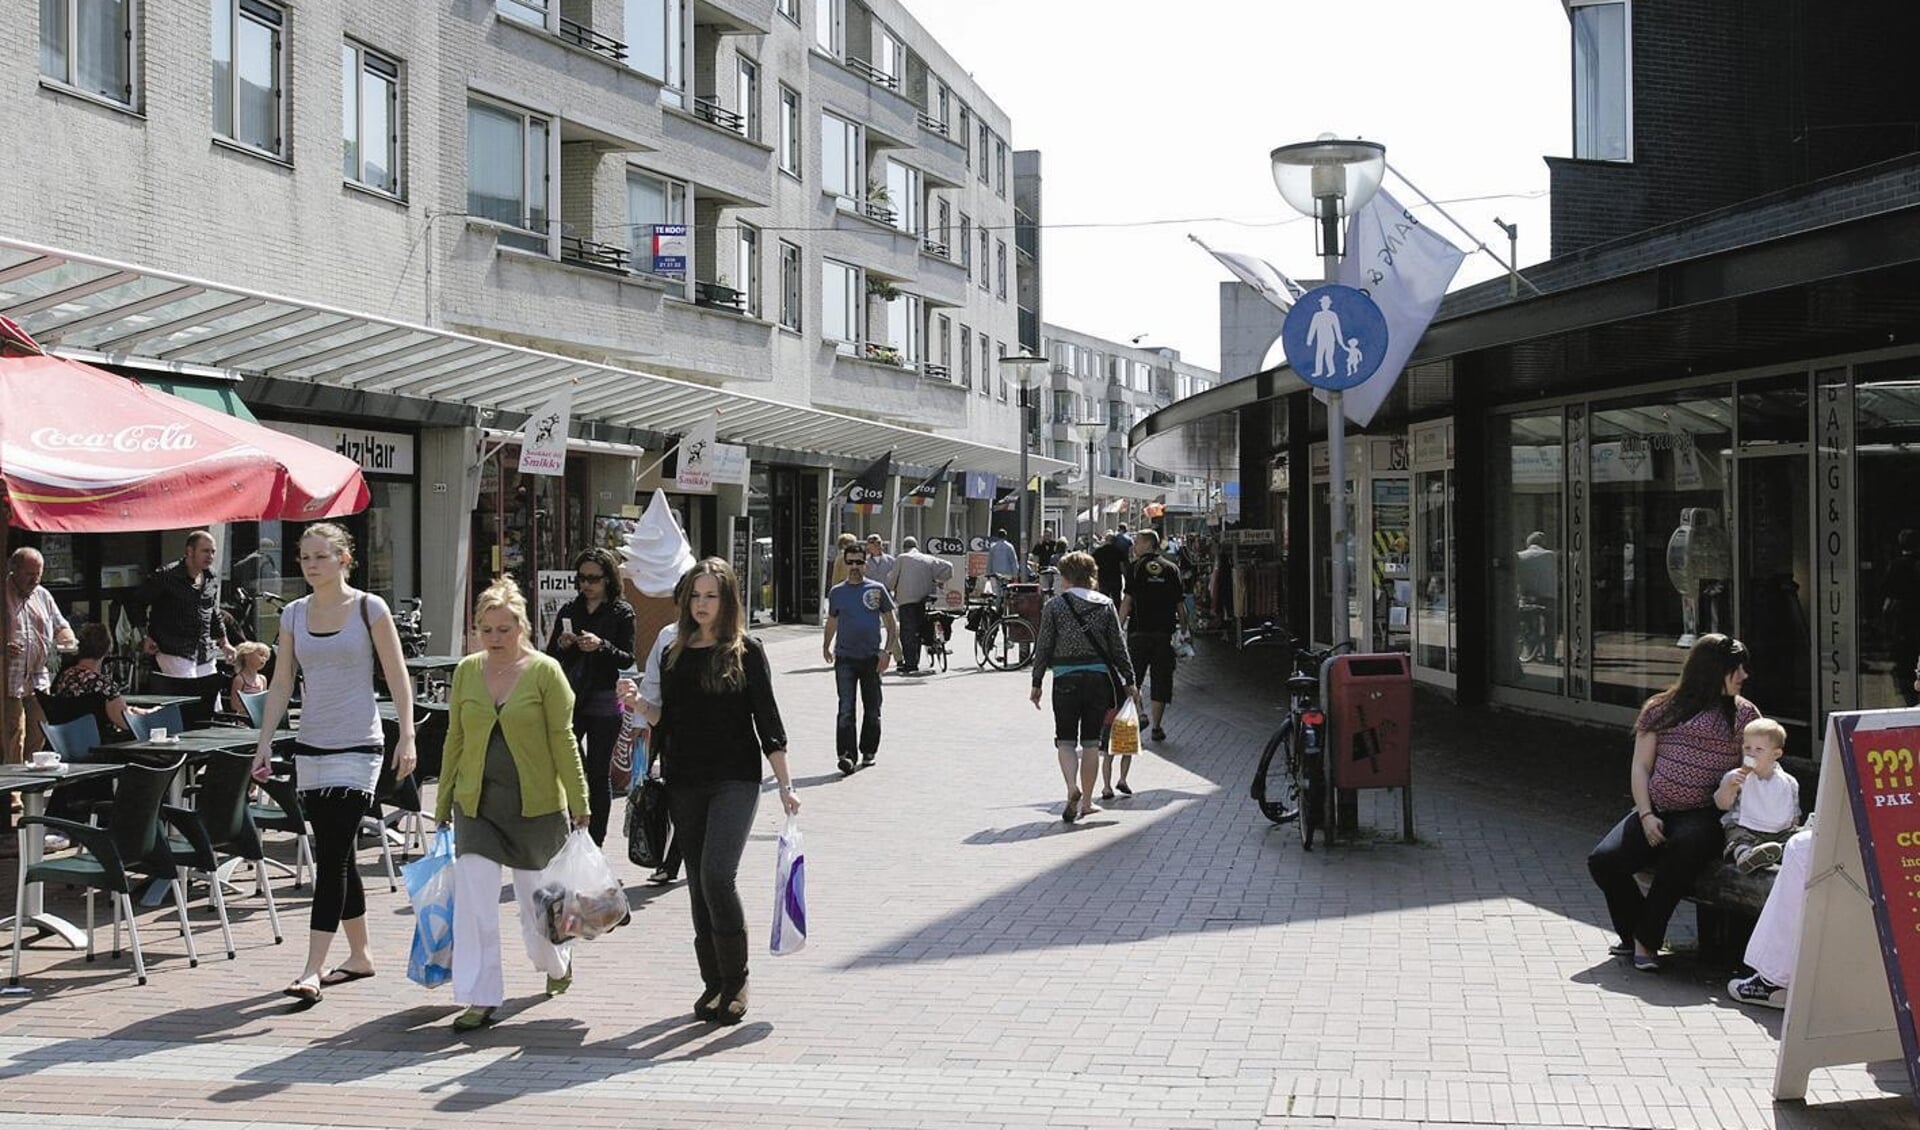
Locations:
(716, 719)
(1686, 739)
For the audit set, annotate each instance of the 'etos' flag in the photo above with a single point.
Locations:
(928, 489)
(867, 494)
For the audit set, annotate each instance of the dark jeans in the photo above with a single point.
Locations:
(710, 825)
(849, 676)
(1080, 704)
(1694, 840)
(596, 735)
(335, 815)
(913, 622)
(1152, 655)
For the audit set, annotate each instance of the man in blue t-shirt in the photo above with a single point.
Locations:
(857, 609)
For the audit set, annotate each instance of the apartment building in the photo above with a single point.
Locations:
(399, 228)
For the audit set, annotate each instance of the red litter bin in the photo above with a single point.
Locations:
(1369, 700)
(1023, 600)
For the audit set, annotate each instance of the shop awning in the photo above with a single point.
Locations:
(113, 313)
(221, 396)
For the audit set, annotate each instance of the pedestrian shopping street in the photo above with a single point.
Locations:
(974, 961)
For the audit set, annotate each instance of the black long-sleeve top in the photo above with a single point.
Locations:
(592, 674)
(712, 736)
(180, 616)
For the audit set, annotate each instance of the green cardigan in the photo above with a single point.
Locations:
(538, 723)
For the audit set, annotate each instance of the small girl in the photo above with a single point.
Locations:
(251, 658)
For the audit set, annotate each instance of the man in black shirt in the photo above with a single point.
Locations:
(1110, 557)
(1047, 551)
(1155, 604)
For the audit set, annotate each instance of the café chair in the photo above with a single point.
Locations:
(220, 820)
(167, 717)
(75, 740)
(256, 706)
(134, 841)
(401, 794)
(281, 812)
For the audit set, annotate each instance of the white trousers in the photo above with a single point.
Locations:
(1775, 944)
(476, 931)
(180, 667)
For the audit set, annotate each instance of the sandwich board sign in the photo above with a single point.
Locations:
(1859, 957)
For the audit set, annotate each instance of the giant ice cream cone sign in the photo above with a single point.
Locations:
(657, 556)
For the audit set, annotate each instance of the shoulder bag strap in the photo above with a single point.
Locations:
(1113, 674)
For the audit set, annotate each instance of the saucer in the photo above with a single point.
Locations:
(170, 739)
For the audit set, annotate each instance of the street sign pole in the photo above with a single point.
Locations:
(1336, 456)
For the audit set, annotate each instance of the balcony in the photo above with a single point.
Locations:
(879, 210)
(933, 125)
(936, 248)
(932, 372)
(584, 37)
(881, 353)
(874, 75)
(609, 257)
(719, 297)
(709, 110)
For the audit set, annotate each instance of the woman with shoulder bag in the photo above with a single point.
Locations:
(593, 640)
(334, 636)
(1081, 643)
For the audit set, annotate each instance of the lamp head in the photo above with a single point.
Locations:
(1027, 369)
(1329, 176)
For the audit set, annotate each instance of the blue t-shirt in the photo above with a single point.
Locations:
(857, 609)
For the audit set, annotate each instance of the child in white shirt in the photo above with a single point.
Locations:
(1761, 802)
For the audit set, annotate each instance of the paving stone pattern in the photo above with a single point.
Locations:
(1172, 962)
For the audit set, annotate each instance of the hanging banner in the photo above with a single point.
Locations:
(982, 485)
(696, 463)
(728, 464)
(670, 249)
(1268, 280)
(868, 493)
(1405, 267)
(929, 488)
(543, 445)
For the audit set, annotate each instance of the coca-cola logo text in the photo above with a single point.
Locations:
(132, 438)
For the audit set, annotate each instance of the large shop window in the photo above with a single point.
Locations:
(1660, 477)
(1526, 478)
(1887, 446)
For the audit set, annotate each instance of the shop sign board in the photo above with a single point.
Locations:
(556, 589)
(1847, 1003)
(1432, 444)
(375, 452)
(543, 443)
(953, 595)
(1248, 537)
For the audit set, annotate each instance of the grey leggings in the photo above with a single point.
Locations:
(710, 826)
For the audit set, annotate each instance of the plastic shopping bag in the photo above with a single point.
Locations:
(1183, 644)
(649, 824)
(579, 896)
(790, 892)
(430, 887)
(1124, 740)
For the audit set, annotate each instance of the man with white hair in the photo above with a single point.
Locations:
(916, 576)
(36, 629)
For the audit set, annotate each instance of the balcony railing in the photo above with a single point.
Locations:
(929, 122)
(599, 256)
(873, 74)
(934, 372)
(879, 210)
(720, 296)
(580, 35)
(711, 111)
(934, 247)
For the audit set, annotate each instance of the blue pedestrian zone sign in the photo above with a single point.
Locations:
(1335, 337)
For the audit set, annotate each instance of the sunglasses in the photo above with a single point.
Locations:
(588, 578)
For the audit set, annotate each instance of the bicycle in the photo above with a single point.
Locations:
(1300, 779)
(937, 630)
(1002, 640)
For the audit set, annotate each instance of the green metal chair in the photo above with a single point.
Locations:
(221, 820)
(134, 842)
(167, 717)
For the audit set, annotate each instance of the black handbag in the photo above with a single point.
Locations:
(649, 825)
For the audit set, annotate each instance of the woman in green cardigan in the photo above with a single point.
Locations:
(511, 775)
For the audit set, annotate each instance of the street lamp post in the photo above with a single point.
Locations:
(1091, 429)
(1026, 370)
(1329, 179)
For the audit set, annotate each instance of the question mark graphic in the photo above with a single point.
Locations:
(1877, 759)
(1906, 764)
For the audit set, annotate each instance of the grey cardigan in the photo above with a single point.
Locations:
(1062, 640)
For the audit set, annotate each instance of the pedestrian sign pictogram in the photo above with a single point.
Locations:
(1335, 337)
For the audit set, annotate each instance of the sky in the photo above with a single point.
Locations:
(1167, 112)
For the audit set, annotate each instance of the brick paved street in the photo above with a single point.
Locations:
(1172, 962)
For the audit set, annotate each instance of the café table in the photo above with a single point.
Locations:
(158, 701)
(423, 668)
(33, 783)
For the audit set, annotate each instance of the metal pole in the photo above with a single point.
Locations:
(1020, 538)
(1336, 445)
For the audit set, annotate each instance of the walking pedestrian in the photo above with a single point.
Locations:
(178, 607)
(1080, 642)
(1686, 740)
(916, 577)
(592, 639)
(335, 635)
(511, 779)
(644, 698)
(1155, 605)
(879, 561)
(717, 718)
(1002, 559)
(851, 641)
(1110, 559)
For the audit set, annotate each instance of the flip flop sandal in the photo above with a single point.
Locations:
(1123, 789)
(339, 976)
(1073, 807)
(302, 992)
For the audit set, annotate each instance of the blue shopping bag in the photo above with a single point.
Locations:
(790, 892)
(430, 887)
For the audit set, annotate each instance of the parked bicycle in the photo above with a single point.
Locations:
(1003, 638)
(414, 635)
(1290, 785)
(937, 633)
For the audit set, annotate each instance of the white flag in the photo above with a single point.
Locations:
(543, 445)
(697, 456)
(1269, 280)
(1405, 267)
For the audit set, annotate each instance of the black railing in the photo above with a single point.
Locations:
(878, 210)
(934, 372)
(720, 296)
(933, 247)
(711, 111)
(873, 74)
(929, 122)
(580, 35)
(599, 256)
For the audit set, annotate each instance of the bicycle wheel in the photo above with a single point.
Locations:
(1006, 644)
(1313, 794)
(1276, 784)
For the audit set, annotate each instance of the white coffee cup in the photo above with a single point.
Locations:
(159, 733)
(46, 758)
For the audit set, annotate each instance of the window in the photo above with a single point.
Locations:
(747, 95)
(888, 57)
(88, 45)
(986, 368)
(943, 224)
(790, 9)
(826, 25)
(986, 258)
(1000, 267)
(905, 317)
(653, 200)
(747, 267)
(1000, 167)
(1000, 350)
(943, 344)
(657, 45)
(249, 64)
(789, 130)
(790, 295)
(1602, 81)
(507, 178)
(525, 11)
(966, 244)
(840, 159)
(986, 148)
(840, 303)
(966, 133)
(966, 356)
(904, 195)
(941, 99)
(370, 119)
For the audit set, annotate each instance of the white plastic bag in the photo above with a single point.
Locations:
(430, 888)
(1123, 739)
(1183, 644)
(790, 892)
(579, 896)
